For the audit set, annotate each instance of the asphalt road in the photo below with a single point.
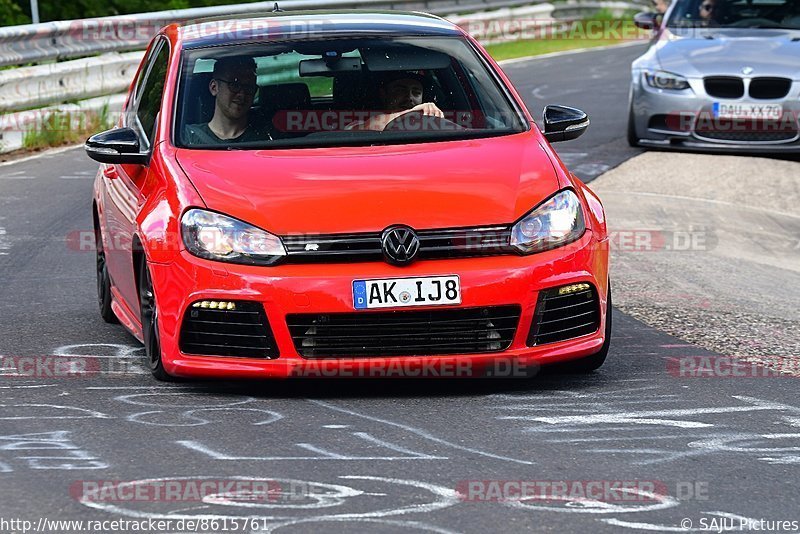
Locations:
(597, 82)
(366, 456)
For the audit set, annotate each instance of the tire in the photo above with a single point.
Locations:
(103, 281)
(593, 362)
(633, 138)
(150, 332)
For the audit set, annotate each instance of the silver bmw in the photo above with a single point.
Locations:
(719, 75)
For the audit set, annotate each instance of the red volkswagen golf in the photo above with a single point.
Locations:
(354, 193)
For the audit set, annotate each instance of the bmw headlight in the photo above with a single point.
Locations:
(555, 222)
(666, 80)
(215, 236)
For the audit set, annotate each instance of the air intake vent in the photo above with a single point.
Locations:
(404, 333)
(238, 328)
(770, 88)
(724, 87)
(564, 313)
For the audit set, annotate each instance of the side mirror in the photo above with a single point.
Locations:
(120, 146)
(647, 21)
(562, 123)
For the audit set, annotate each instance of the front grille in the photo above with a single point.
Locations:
(724, 86)
(749, 137)
(434, 244)
(404, 333)
(560, 317)
(243, 331)
(770, 88)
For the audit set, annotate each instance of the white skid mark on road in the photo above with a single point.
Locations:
(19, 175)
(5, 245)
(419, 432)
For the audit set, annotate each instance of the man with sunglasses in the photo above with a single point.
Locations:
(233, 85)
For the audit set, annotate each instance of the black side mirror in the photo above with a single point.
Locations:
(562, 123)
(647, 21)
(120, 146)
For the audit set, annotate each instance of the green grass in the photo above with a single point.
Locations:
(602, 29)
(537, 47)
(62, 128)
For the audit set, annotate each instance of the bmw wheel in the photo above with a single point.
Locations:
(633, 138)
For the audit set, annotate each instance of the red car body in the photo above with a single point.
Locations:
(448, 184)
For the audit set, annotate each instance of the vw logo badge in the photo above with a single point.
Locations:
(747, 71)
(400, 244)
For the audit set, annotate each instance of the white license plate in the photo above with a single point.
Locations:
(404, 292)
(747, 111)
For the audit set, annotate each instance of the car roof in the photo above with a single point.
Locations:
(293, 25)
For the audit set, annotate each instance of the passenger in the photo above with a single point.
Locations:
(233, 85)
(399, 93)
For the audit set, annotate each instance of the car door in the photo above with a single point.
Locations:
(123, 182)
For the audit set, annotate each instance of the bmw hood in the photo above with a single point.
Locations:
(366, 189)
(727, 51)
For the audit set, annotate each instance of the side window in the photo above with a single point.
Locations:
(150, 94)
(130, 105)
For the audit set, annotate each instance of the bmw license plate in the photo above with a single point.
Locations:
(747, 111)
(404, 292)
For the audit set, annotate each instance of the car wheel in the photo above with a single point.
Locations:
(150, 332)
(590, 363)
(633, 138)
(103, 281)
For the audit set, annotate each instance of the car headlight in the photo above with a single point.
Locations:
(555, 222)
(218, 237)
(666, 80)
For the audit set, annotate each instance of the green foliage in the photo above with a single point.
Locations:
(11, 14)
(60, 128)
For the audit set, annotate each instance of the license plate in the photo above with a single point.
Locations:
(747, 111)
(404, 292)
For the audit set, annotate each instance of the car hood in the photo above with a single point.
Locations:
(363, 189)
(727, 51)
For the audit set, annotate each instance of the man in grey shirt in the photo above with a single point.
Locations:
(233, 84)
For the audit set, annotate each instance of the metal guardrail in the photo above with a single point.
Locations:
(76, 38)
(30, 87)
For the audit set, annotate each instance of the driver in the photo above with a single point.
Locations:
(399, 93)
(233, 85)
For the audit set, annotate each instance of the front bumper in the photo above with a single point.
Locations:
(648, 105)
(304, 289)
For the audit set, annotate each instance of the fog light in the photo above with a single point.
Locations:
(574, 288)
(215, 305)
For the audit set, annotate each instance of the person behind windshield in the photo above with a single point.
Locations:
(233, 85)
(399, 93)
(709, 11)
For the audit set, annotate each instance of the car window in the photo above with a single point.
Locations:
(340, 92)
(150, 95)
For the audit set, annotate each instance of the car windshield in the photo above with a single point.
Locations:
(737, 14)
(359, 91)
